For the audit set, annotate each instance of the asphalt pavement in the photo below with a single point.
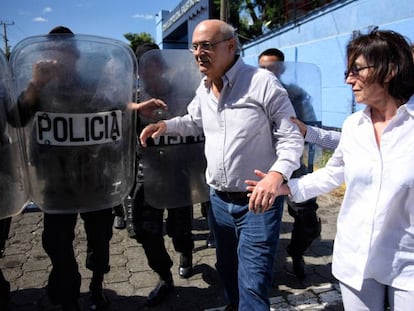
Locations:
(26, 267)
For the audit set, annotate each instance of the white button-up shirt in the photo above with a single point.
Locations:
(375, 229)
(247, 128)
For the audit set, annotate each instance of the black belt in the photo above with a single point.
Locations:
(239, 197)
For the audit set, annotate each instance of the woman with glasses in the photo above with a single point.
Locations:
(374, 247)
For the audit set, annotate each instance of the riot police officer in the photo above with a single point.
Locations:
(306, 225)
(12, 188)
(4, 284)
(79, 178)
(5, 222)
(148, 219)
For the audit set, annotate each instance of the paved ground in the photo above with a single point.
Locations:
(26, 266)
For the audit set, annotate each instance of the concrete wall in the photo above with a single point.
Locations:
(321, 39)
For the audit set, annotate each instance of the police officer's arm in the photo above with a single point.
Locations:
(327, 139)
(22, 112)
(43, 72)
(149, 107)
(26, 104)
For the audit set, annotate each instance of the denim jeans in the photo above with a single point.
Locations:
(246, 249)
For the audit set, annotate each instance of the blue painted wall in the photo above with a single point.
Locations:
(321, 39)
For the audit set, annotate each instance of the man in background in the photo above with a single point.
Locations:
(306, 225)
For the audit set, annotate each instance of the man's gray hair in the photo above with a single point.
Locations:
(228, 31)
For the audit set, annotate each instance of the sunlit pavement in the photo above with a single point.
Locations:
(27, 266)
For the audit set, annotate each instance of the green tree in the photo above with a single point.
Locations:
(136, 39)
(252, 18)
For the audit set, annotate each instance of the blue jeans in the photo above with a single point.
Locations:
(246, 249)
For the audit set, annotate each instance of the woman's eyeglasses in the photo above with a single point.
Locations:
(355, 71)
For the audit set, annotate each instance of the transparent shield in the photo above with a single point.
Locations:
(12, 188)
(303, 84)
(174, 167)
(77, 126)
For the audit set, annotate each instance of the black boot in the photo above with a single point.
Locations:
(211, 242)
(231, 307)
(71, 306)
(119, 222)
(129, 220)
(160, 292)
(119, 219)
(298, 264)
(185, 269)
(98, 299)
(4, 292)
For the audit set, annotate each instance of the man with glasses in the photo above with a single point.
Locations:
(244, 114)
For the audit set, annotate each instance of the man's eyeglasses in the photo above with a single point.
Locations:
(206, 45)
(355, 71)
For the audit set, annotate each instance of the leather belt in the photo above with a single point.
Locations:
(236, 197)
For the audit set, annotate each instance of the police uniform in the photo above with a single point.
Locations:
(57, 238)
(59, 227)
(62, 189)
(4, 284)
(149, 229)
(171, 182)
(307, 224)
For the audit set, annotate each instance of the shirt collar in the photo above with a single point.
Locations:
(232, 73)
(229, 77)
(365, 115)
(408, 107)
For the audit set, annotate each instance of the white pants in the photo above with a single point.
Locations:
(373, 297)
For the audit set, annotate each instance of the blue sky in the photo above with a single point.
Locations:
(108, 18)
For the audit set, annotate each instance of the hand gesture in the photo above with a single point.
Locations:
(265, 191)
(153, 131)
(302, 126)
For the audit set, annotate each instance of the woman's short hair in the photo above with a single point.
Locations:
(387, 51)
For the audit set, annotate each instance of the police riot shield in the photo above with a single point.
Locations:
(303, 84)
(74, 94)
(12, 188)
(174, 166)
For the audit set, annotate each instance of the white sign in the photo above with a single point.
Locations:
(65, 129)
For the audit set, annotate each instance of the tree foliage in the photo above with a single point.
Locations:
(136, 39)
(252, 18)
